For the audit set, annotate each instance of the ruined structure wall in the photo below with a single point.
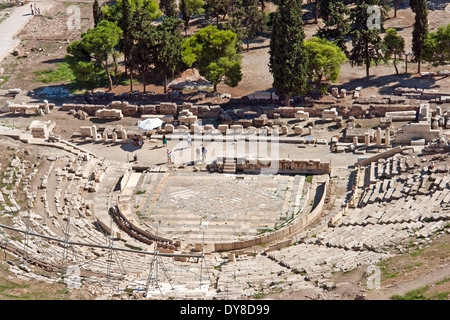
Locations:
(380, 110)
(415, 131)
(214, 111)
(283, 166)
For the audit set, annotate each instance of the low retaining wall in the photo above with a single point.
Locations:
(280, 166)
(382, 155)
(137, 233)
(248, 114)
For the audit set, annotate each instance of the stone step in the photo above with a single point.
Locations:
(229, 168)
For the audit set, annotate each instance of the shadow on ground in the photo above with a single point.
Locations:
(388, 83)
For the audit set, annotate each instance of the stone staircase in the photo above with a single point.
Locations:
(229, 166)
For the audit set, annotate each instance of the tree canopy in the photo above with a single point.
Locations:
(437, 46)
(92, 52)
(325, 59)
(250, 19)
(420, 28)
(213, 52)
(288, 56)
(169, 60)
(188, 8)
(366, 41)
(113, 12)
(393, 45)
(169, 7)
(336, 24)
(97, 13)
(216, 8)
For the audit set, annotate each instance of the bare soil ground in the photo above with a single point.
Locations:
(44, 45)
(44, 41)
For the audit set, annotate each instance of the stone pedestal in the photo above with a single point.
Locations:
(387, 137)
(424, 109)
(367, 139)
(94, 133)
(434, 125)
(298, 130)
(223, 128)
(169, 128)
(301, 115)
(378, 137)
(335, 92)
(46, 107)
(123, 135)
(447, 123)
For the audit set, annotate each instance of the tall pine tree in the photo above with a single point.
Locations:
(127, 38)
(247, 20)
(216, 8)
(366, 41)
(185, 14)
(189, 8)
(253, 20)
(420, 29)
(336, 24)
(316, 9)
(168, 50)
(143, 51)
(169, 8)
(288, 55)
(97, 13)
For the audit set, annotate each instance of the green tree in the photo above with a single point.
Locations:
(420, 28)
(393, 45)
(96, 46)
(188, 8)
(97, 13)
(437, 46)
(325, 59)
(316, 9)
(213, 52)
(251, 19)
(396, 3)
(113, 12)
(336, 24)
(288, 55)
(366, 41)
(122, 13)
(79, 61)
(216, 8)
(169, 7)
(127, 40)
(145, 38)
(169, 49)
